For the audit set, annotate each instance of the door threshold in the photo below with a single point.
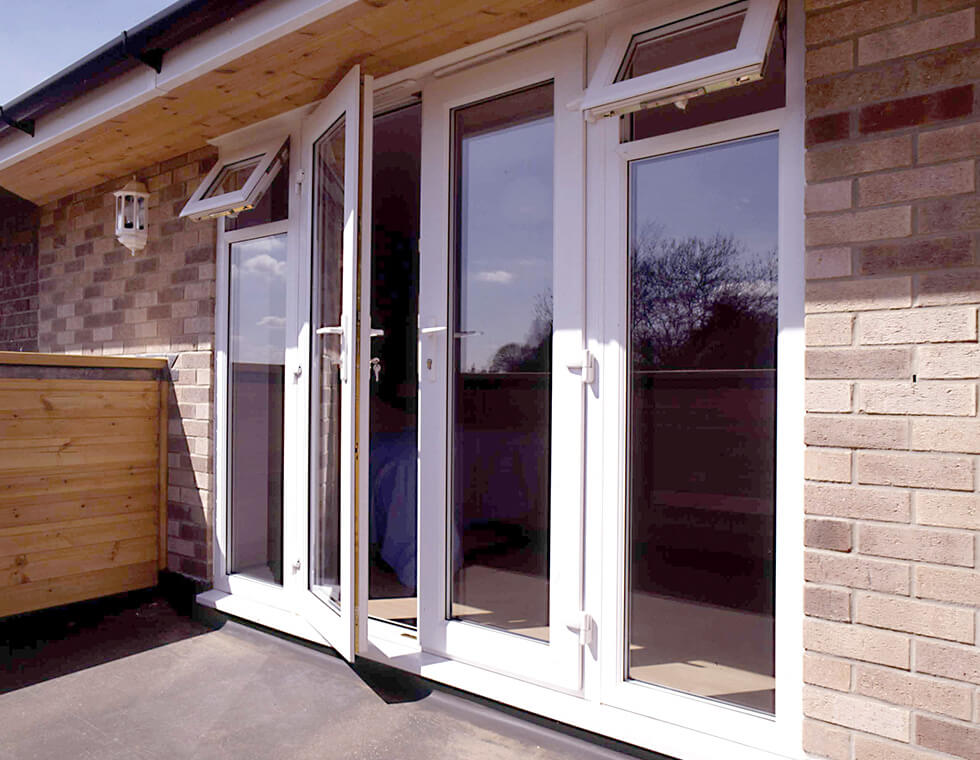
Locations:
(217, 607)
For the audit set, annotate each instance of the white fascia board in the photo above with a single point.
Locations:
(226, 42)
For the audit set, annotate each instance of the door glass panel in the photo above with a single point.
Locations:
(256, 360)
(500, 344)
(393, 381)
(703, 235)
(328, 257)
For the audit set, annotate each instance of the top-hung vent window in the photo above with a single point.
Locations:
(648, 64)
(237, 182)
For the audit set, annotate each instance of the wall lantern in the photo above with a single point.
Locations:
(131, 215)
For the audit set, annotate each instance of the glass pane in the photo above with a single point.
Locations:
(501, 351)
(328, 252)
(756, 96)
(683, 42)
(256, 360)
(703, 236)
(273, 204)
(233, 177)
(393, 385)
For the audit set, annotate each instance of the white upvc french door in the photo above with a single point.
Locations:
(334, 183)
(501, 400)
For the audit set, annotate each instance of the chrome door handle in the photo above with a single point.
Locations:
(376, 333)
(433, 330)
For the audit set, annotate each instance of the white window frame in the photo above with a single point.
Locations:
(607, 97)
(199, 208)
(725, 720)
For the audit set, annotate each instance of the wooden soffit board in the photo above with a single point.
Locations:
(293, 71)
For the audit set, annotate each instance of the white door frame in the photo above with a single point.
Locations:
(337, 624)
(559, 661)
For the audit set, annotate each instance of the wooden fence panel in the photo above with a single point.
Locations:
(83, 477)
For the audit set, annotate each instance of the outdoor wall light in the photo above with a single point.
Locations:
(131, 203)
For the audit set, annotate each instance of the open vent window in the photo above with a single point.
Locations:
(238, 181)
(648, 63)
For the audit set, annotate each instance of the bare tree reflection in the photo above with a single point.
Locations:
(534, 354)
(701, 302)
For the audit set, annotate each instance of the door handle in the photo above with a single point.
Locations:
(376, 333)
(467, 333)
(340, 330)
(433, 330)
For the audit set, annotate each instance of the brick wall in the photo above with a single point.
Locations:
(18, 273)
(892, 665)
(95, 297)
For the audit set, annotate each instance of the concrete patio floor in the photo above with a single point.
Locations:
(136, 680)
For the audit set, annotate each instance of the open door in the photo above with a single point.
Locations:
(333, 186)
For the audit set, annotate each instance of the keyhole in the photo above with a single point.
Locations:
(428, 363)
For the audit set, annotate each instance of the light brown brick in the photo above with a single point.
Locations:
(961, 663)
(830, 59)
(943, 547)
(829, 329)
(828, 396)
(946, 215)
(948, 362)
(827, 672)
(826, 741)
(858, 573)
(949, 144)
(859, 158)
(871, 748)
(827, 603)
(834, 535)
(858, 295)
(954, 739)
(940, 288)
(897, 256)
(856, 712)
(828, 196)
(832, 465)
(856, 502)
(930, 325)
(948, 510)
(855, 432)
(894, 80)
(926, 398)
(825, 263)
(859, 226)
(909, 39)
(917, 470)
(917, 692)
(923, 618)
(858, 363)
(855, 19)
(925, 182)
(947, 585)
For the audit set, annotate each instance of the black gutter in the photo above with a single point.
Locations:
(145, 44)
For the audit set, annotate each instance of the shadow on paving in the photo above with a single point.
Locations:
(134, 677)
(38, 646)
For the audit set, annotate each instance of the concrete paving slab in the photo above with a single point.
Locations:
(183, 690)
